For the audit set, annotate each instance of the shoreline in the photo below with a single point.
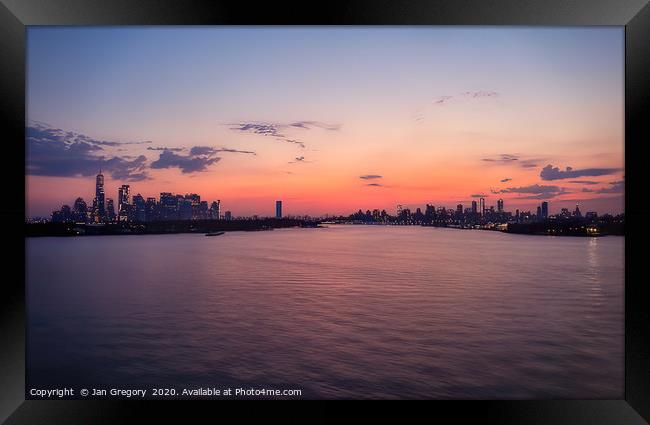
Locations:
(36, 230)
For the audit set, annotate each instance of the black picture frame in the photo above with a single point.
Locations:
(15, 15)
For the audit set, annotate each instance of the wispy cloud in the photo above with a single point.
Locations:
(512, 159)
(503, 158)
(480, 94)
(370, 177)
(478, 195)
(375, 185)
(507, 179)
(554, 173)
(587, 182)
(311, 124)
(278, 130)
(163, 148)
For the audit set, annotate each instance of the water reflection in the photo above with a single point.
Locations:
(348, 311)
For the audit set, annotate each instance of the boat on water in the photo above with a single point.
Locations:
(215, 233)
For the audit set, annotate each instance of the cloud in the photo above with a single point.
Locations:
(503, 158)
(534, 191)
(186, 163)
(554, 173)
(615, 187)
(478, 195)
(276, 130)
(480, 94)
(528, 163)
(202, 150)
(298, 159)
(375, 184)
(230, 150)
(311, 124)
(370, 177)
(507, 179)
(59, 153)
(589, 182)
(513, 159)
(162, 148)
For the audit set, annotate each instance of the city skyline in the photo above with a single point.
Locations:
(391, 116)
(189, 206)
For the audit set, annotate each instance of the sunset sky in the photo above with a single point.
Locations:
(329, 120)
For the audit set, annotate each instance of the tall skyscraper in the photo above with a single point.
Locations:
(544, 209)
(123, 202)
(99, 197)
(474, 207)
(278, 209)
(482, 205)
(500, 205)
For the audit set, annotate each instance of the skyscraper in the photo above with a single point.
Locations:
(482, 206)
(474, 207)
(110, 209)
(168, 206)
(500, 205)
(278, 209)
(123, 202)
(544, 209)
(215, 210)
(138, 208)
(99, 196)
(80, 210)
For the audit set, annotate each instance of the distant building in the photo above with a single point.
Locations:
(203, 210)
(110, 210)
(474, 207)
(482, 205)
(185, 210)
(227, 215)
(123, 202)
(539, 212)
(544, 209)
(99, 197)
(168, 206)
(80, 211)
(139, 210)
(151, 212)
(500, 205)
(576, 212)
(278, 209)
(215, 210)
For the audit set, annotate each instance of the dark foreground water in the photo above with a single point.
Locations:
(341, 312)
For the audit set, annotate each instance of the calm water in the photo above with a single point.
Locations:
(346, 311)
